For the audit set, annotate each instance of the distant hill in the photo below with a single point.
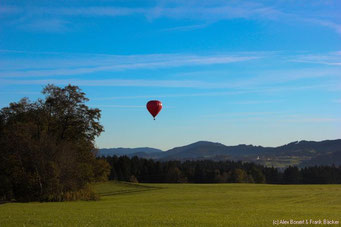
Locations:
(198, 150)
(299, 153)
(144, 152)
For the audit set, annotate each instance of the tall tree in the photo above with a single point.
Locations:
(47, 147)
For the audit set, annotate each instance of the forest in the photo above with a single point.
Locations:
(142, 170)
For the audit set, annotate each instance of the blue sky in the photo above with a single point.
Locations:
(236, 72)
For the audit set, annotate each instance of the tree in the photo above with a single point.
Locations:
(47, 147)
(239, 176)
(174, 175)
(292, 175)
(273, 176)
(257, 175)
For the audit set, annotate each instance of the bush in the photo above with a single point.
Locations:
(133, 179)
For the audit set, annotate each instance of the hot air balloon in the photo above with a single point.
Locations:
(154, 107)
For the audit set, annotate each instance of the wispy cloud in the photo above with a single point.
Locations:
(95, 11)
(118, 106)
(313, 119)
(181, 10)
(329, 24)
(206, 12)
(19, 93)
(8, 10)
(32, 16)
(271, 77)
(229, 90)
(213, 13)
(256, 102)
(332, 58)
(121, 83)
(53, 65)
(186, 27)
(92, 64)
(307, 118)
(246, 114)
(170, 84)
(53, 25)
(174, 95)
(275, 116)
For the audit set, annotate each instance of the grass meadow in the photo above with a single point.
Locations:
(124, 204)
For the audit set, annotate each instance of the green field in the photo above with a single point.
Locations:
(124, 204)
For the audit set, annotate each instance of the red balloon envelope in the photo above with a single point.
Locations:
(154, 107)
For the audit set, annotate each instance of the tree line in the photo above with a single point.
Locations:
(142, 170)
(47, 147)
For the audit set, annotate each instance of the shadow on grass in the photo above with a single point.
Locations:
(2, 202)
(136, 188)
(131, 188)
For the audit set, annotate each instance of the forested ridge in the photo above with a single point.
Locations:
(299, 153)
(137, 169)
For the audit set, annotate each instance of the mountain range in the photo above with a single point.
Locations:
(299, 153)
